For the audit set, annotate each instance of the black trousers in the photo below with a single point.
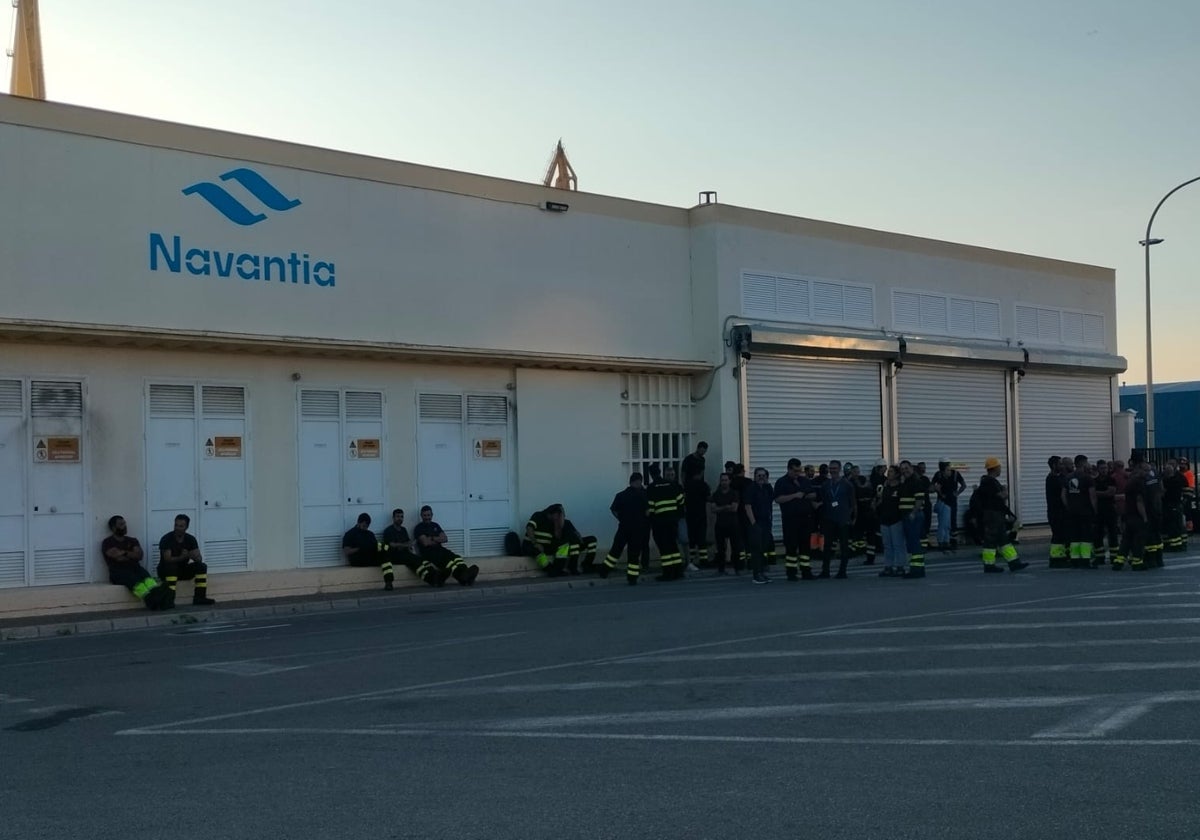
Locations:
(1106, 528)
(831, 531)
(1133, 540)
(759, 540)
(697, 528)
(634, 538)
(730, 535)
(797, 537)
(665, 531)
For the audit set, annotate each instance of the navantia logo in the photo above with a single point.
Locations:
(232, 209)
(172, 253)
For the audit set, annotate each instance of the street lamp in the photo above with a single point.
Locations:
(1146, 243)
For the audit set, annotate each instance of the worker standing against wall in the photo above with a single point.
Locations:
(793, 495)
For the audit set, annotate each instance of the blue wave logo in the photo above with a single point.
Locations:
(234, 210)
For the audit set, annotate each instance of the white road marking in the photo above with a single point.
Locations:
(902, 649)
(264, 665)
(1105, 596)
(292, 732)
(215, 629)
(537, 669)
(1036, 625)
(1190, 605)
(808, 676)
(4, 698)
(1098, 722)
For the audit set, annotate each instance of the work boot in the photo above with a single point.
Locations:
(1017, 564)
(387, 586)
(870, 561)
(631, 580)
(992, 569)
(589, 565)
(602, 571)
(914, 572)
(200, 599)
(792, 575)
(472, 573)
(806, 574)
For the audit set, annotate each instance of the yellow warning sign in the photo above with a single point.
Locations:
(365, 447)
(60, 450)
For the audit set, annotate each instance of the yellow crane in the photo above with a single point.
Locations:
(561, 175)
(27, 77)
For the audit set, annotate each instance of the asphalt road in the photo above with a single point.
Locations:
(1041, 704)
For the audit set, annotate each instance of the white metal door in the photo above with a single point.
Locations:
(1059, 414)
(197, 449)
(224, 504)
(56, 528)
(955, 413)
(170, 461)
(13, 457)
(814, 410)
(489, 509)
(440, 479)
(363, 476)
(342, 469)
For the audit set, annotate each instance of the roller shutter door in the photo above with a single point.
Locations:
(812, 409)
(1060, 414)
(955, 413)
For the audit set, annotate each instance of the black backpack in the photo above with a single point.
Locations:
(512, 544)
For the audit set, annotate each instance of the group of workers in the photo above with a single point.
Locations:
(1100, 514)
(1107, 514)
(824, 510)
(178, 559)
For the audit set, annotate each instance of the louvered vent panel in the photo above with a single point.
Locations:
(322, 551)
(56, 399)
(11, 401)
(172, 401)
(58, 565)
(490, 409)
(441, 407)
(487, 542)
(223, 401)
(226, 556)
(12, 568)
(319, 404)
(364, 405)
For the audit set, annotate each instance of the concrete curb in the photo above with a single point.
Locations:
(84, 624)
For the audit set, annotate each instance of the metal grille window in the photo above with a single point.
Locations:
(808, 300)
(487, 409)
(658, 420)
(1048, 326)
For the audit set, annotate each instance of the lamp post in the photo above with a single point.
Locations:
(1146, 243)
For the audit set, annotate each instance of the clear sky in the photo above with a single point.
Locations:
(1047, 127)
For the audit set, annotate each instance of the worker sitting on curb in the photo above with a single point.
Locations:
(123, 555)
(554, 543)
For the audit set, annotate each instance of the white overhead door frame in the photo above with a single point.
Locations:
(814, 409)
(1059, 414)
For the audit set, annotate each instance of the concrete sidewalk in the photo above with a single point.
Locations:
(34, 627)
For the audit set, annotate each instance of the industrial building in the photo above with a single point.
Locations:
(1176, 413)
(273, 338)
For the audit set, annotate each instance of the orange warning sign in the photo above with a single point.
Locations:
(61, 450)
(227, 447)
(364, 448)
